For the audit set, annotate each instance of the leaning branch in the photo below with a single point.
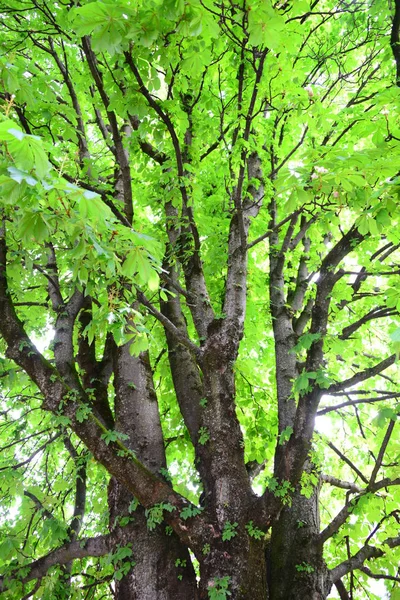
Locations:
(357, 561)
(362, 375)
(97, 546)
(395, 39)
(169, 326)
(63, 399)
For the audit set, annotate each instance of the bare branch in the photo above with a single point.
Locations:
(97, 546)
(328, 409)
(357, 561)
(344, 485)
(348, 461)
(177, 333)
(363, 375)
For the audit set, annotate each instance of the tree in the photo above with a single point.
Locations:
(199, 208)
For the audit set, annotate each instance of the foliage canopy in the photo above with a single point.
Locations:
(200, 232)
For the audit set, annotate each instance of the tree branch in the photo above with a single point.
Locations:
(122, 155)
(357, 561)
(341, 590)
(347, 461)
(44, 512)
(288, 157)
(347, 510)
(80, 489)
(329, 409)
(177, 333)
(344, 485)
(375, 313)
(266, 235)
(362, 375)
(82, 141)
(380, 576)
(97, 546)
(201, 309)
(236, 281)
(395, 39)
(382, 451)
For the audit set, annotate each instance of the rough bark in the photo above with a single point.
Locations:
(284, 560)
(163, 568)
(243, 560)
(294, 551)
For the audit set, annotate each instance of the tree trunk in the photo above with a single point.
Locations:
(296, 568)
(242, 560)
(162, 567)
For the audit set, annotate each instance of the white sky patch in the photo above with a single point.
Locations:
(323, 425)
(378, 588)
(42, 342)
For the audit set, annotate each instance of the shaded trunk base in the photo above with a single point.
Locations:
(239, 564)
(291, 567)
(297, 569)
(162, 567)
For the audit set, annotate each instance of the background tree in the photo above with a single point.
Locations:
(199, 207)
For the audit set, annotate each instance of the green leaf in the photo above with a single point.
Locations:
(7, 549)
(229, 531)
(33, 227)
(306, 340)
(20, 176)
(189, 511)
(285, 435)
(9, 130)
(138, 266)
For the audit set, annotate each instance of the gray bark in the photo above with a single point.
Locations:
(155, 574)
(296, 566)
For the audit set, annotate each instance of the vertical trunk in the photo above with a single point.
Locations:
(163, 568)
(296, 568)
(227, 478)
(285, 340)
(242, 562)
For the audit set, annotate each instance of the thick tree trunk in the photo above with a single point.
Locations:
(162, 566)
(242, 560)
(296, 569)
